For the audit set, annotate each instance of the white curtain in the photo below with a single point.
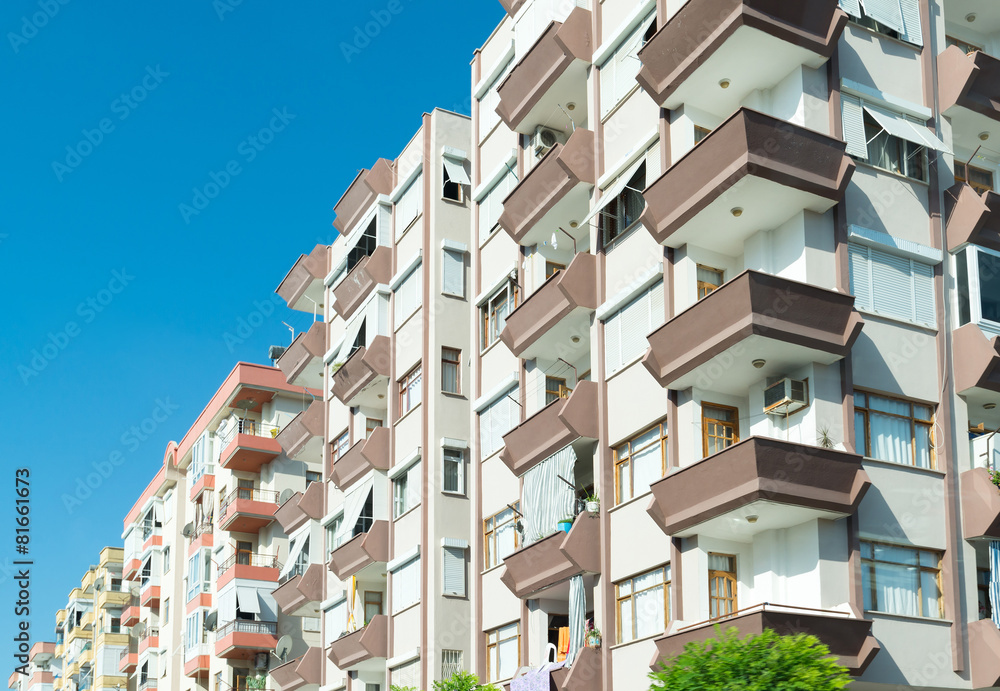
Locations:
(577, 617)
(896, 589)
(995, 580)
(649, 604)
(891, 438)
(354, 502)
(546, 498)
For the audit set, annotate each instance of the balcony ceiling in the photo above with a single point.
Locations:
(987, 14)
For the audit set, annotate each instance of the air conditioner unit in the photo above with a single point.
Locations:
(545, 138)
(786, 396)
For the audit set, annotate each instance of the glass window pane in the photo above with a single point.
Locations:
(625, 588)
(896, 589)
(867, 572)
(861, 440)
(649, 619)
(625, 619)
(890, 438)
(900, 555)
(647, 467)
(989, 285)
(648, 580)
(922, 437)
(624, 481)
(508, 653)
(929, 559)
(930, 594)
(889, 405)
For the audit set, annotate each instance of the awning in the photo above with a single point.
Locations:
(900, 127)
(354, 503)
(295, 547)
(885, 12)
(350, 336)
(456, 171)
(614, 190)
(247, 600)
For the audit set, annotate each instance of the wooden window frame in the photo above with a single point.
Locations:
(562, 390)
(489, 321)
(404, 384)
(490, 527)
(552, 268)
(380, 603)
(962, 171)
(964, 45)
(914, 421)
(873, 585)
(706, 289)
(705, 420)
(728, 576)
(491, 644)
(456, 363)
(369, 427)
(626, 452)
(619, 599)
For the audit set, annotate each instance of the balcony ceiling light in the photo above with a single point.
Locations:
(989, 406)
(752, 518)
(736, 211)
(724, 83)
(759, 363)
(971, 17)
(570, 106)
(984, 136)
(575, 339)
(574, 224)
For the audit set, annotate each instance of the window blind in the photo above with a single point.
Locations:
(619, 71)
(406, 585)
(491, 205)
(496, 420)
(453, 273)
(892, 286)
(488, 117)
(453, 571)
(407, 676)
(625, 331)
(886, 12)
(408, 294)
(409, 205)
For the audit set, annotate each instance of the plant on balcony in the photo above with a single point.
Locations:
(755, 663)
(463, 681)
(592, 635)
(994, 477)
(593, 503)
(825, 439)
(257, 682)
(565, 524)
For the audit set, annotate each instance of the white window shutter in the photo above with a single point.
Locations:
(608, 70)
(861, 282)
(854, 126)
(453, 571)
(652, 163)
(612, 342)
(852, 7)
(911, 22)
(485, 432)
(657, 313)
(453, 273)
(409, 205)
(634, 323)
(893, 285)
(885, 12)
(923, 294)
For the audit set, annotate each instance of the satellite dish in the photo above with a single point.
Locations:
(99, 585)
(138, 630)
(188, 530)
(212, 620)
(285, 495)
(283, 647)
(134, 589)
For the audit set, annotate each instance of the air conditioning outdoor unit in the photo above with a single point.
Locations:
(786, 396)
(545, 138)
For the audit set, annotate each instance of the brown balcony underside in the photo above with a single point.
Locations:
(969, 81)
(758, 469)
(305, 427)
(354, 648)
(361, 551)
(305, 354)
(554, 558)
(512, 6)
(984, 654)
(362, 194)
(973, 218)
(365, 455)
(300, 591)
(977, 360)
(299, 672)
(301, 507)
(361, 369)
(355, 288)
(306, 276)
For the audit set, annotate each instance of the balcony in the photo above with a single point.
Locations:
(365, 455)
(128, 660)
(302, 438)
(112, 598)
(355, 288)
(299, 672)
(585, 674)
(512, 6)
(972, 218)
(359, 197)
(980, 505)
(130, 613)
(203, 483)
(984, 654)
(235, 639)
(361, 551)
(149, 591)
(554, 559)
(302, 288)
(848, 637)
(967, 87)
(249, 566)
(555, 192)
(364, 375)
(752, 173)
(977, 364)
(301, 507)
(714, 343)
(369, 643)
(302, 362)
(554, 427)
(299, 595)
(247, 510)
(559, 310)
(149, 639)
(198, 661)
(782, 483)
(551, 74)
(752, 44)
(248, 445)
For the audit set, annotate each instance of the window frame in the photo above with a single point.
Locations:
(704, 288)
(968, 265)
(623, 224)
(455, 363)
(490, 529)
(495, 644)
(445, 451)
(732, 576)
(414, 375)
(507, 295)
(553, 395)
(979, 187)
(403, 500)
(704, 426)
(921, 569)
(866, 412)
(619, 599)
(445, 182)
(899, 152)
(630, 453)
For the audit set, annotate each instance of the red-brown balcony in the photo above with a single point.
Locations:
(369, 643)
(585, 674)
(980, 505)
(358, 284)
(365, 455)
(848, 637)
(248, 445)
(968, 88)
(302, 438)
(745, 44)
(149, 639)
(300, 593)
(559, 310)
(973, 217)
(984, 654)
(714, 343)
(364, 375)
(752, 173)
(977, 364)
(362, 550)
(302, 288)
(362, 193)
(781, 483)
(249, 566)
(205, 482)
(551, 74)
(149, 591)
(203, 536)
(301, 507)
(555, 192)
(302, 362)
(131, 611)
(299, 672)
(555, 558)
(554, 427)
(247, 510)
(235, 639)
(128, 659)
(198, 661)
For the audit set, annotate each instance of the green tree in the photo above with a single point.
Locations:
(764, 662)
(463, 681)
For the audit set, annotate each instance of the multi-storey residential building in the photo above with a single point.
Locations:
(43, 670)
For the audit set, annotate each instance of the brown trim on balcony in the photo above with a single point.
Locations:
(306, 351)
(355, 288)
(361, 551)
(758, 469)
(583, 675)
(365, 455)
(753, 303)
(984, 654)
(552, 428)
(973, 218)
(308, 268)
(301, 507)
(977, 360)
(564, 167)
(303, 428)
(969, 81)
(572, 288)
(512, 6)
(362, 194)
(980, 505)
(354, 648)
(692, 36)
(555, 558)
(559, 46)
(303, 670)
(748, 144)
(301, 590)
(361, 369)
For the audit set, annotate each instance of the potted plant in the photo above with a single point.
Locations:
(592, 635)
(566, 523)
(257, 682)
(593, 503)
(994, 477)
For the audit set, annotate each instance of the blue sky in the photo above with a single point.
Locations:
(119, 299)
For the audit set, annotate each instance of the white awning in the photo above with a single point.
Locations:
(898, 126)
(294, 550)
(350, 336)
(456, 171)
(247, 600)
(614, 190)
(354, 503)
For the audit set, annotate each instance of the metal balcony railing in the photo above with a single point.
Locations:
(252, 427)
(148, 632)
(298, 570)
(249, 494)
(245, 626)
(265, 561)
(203, 528)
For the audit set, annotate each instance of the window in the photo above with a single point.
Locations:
(894, 429)
(619, 71)
(373, 604)
(406, 676)
(894, 154)
(406, 490)
(199, 575)
(979, 179)
(495, 311)
(201, 458)
(165, 613)
(496, 420)
(898, 19)
(454, 179)
(708, 280)
(312, 476)
(552, 268)
(901, 580)
(503, 652)
(983, 591)
(371, 424)
(719, 427)
(555, 388)
(488, 116)
(406, 585)
(501, 536)
(409, 205)
(409, 391)
(453, 570)
(625, 331)
(451, 663)
(640, 462)
(721, 585)
(453, 471)
(407, 294)
(700, 133)
(622, 212)
(451, 368)
(491, 205)
(453, 272)
(244, 552)
(166, 559)
(892, 286)
(643, 604)
(967, 48)
(978, 276)
(332, 532)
